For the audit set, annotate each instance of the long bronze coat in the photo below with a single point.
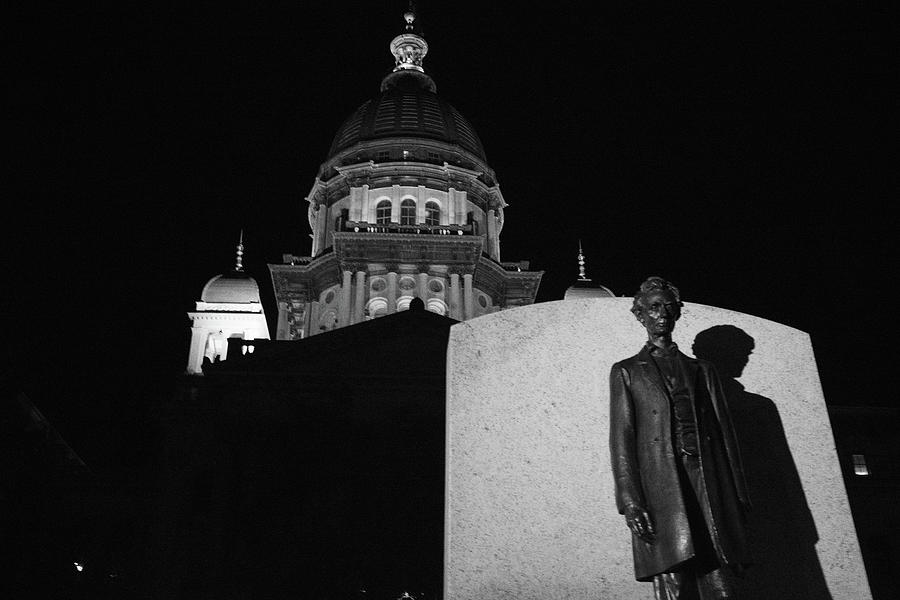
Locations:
(643, 463)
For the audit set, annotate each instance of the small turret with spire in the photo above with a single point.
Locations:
(229, 307)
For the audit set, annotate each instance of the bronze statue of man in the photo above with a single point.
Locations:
(677, 467)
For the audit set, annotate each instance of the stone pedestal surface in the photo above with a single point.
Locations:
(530, 511)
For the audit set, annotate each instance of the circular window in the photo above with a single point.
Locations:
(407, 283)
(436, 286)
(329, 297)
(378, 285)
(482, 300)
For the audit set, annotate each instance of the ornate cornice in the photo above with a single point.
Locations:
(305, 282)
(383, 175)
(507, 288)
(354, 249)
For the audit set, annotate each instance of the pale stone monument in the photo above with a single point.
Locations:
(530, 505)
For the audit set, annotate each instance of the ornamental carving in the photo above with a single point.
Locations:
(408, 50)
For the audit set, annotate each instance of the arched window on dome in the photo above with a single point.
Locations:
(408, 212)
(383, 212)
(432, 213)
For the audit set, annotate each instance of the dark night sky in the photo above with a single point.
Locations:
(744, 153)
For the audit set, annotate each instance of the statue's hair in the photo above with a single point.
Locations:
(653, 284)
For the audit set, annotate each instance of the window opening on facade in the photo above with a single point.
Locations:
(432, 213)
(341, 219)
(408, 212)
(383, 212)
(383, 155)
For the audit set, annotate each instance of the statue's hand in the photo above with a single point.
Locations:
(639, 522)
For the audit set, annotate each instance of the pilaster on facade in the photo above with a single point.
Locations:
(421, 291)
(360, 298)
(345, 298)
(392, 292)
(468, 297)
(455, 297)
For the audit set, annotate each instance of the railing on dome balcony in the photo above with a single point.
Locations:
(521, 265)
(291, 259)
(422, 229)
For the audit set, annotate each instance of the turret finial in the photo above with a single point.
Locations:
(238, 265)
(581, 274)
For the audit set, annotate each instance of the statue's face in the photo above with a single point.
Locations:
(660, 312)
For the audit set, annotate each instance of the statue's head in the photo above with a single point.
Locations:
(657, 305)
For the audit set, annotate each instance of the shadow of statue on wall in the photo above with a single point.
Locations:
(780, 528)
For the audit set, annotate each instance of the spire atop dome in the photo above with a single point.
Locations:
(239, 260)
(409, 49)
(410, 16)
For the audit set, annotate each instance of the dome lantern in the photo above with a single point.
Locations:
(409, 48)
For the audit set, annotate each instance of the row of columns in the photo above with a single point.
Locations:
(461, 302)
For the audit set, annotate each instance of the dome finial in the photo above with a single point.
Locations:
(238, 265)
(410, 16)
(581, 274)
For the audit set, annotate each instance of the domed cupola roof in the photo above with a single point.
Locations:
(234, 287)
(408, 106)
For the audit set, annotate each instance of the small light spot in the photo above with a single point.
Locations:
(859, 465)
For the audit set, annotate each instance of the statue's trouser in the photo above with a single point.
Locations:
(702, 577)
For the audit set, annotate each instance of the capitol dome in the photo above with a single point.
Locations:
(407, 121)
(408, 107)
(235, 287)
(404, 206)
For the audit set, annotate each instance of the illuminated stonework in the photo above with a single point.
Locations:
(404, 206)
(229, 307)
